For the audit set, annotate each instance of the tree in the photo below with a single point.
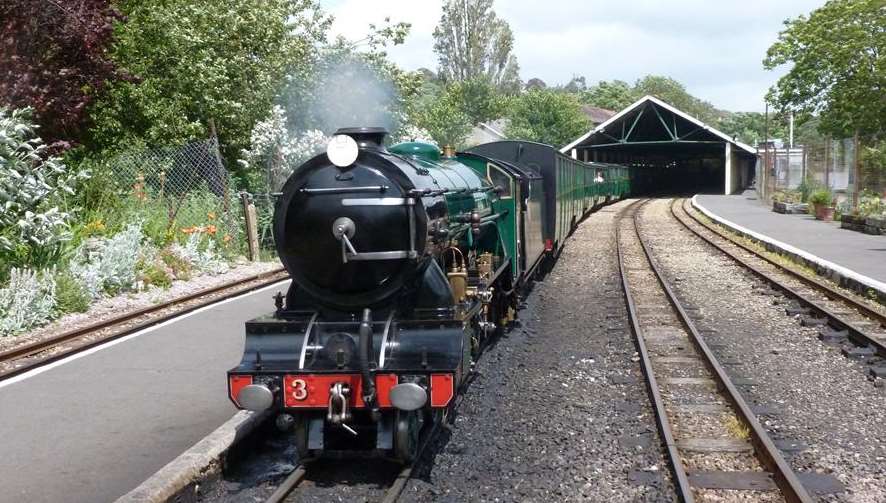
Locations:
(535, 83)
(477, 99)
(576, 85)
(444, 118)
(614, 95)
(53, 58)
(838, 69)
(546, 116)
(749, 127)
(472, 42)
(199, 61)
(674, 93)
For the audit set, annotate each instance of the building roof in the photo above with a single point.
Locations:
(596, 114)
(636, 109)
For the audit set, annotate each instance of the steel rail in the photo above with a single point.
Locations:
(289, 483)
(857, 334)
(229, 290)
(664, 426)
(767, 453)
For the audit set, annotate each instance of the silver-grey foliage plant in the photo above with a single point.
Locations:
(27, 301)
(33, 186)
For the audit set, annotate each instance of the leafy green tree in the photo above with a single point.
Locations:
(838, 68)
(478, 99)
(576, 85)
(750, 127)
(675, 93)
(535, 83)
(471, 42)
(546, 116)
(446, 121)
(611, 95)
(198, 61)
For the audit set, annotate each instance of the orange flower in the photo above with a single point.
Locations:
(227, 238)
(211, 215)
(210, 229)
(188, 230)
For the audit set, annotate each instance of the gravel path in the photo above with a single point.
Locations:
(114, 306)
(818, 398)
(558, 411)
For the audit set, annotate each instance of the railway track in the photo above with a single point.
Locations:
(841, 316)
(391, 494)
(716, 446)
(288, 486)
(27, 357)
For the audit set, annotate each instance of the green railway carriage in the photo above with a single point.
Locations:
(572, 188)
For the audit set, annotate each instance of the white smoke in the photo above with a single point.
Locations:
(351, 93)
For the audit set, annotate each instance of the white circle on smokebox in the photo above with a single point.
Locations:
(342, 150)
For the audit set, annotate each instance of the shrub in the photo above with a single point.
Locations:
(205, 260)
(807, 187)
(33, 188)
(180, 267)
(26, 302)
(155, 274)
(108, 265)
(821, 197)
(869, 203)
(70, 295)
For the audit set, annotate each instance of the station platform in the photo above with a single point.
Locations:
(854, 259)
(91, 427)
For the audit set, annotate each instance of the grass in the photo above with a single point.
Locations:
(737, 428)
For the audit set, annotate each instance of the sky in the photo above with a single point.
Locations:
(714, 47)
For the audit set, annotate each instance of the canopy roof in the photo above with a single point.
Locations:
(653, 123)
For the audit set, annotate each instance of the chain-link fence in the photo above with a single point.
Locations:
(842, 166)
(264, 212)
(182, 190)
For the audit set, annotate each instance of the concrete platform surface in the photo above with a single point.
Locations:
(92, 428)
(857, 252)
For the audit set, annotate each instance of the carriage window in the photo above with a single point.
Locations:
(499, 178)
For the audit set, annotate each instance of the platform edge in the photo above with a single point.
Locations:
(842, 275)
(204, 457)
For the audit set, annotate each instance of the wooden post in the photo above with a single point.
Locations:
(251, 227)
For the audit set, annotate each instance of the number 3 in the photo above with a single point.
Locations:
(300, 389)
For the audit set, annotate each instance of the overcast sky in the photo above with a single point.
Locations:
(714, 47)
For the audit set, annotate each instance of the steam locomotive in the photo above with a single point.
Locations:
(405, 262)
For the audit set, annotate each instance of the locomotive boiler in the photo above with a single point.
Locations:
(400, 273)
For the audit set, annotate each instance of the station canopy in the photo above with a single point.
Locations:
(651, 133)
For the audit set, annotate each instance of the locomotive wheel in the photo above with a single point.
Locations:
(406, 436)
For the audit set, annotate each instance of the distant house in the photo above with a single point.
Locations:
(597, 115)
(486, 132)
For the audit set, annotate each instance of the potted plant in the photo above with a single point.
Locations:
(823, 202)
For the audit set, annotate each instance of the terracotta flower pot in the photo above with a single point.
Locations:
(825, 213)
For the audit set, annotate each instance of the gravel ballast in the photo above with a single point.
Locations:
(815, 396)
(558, 410)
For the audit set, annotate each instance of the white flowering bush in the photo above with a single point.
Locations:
(275, 152)
(33, 186)
(109, 265)
(410, 132)
(27, 301)
(206, 260)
